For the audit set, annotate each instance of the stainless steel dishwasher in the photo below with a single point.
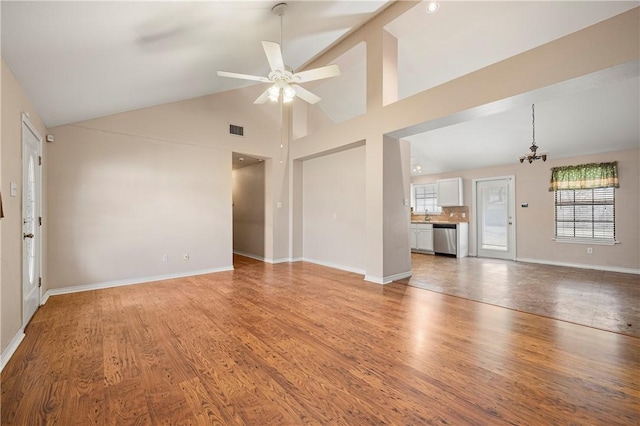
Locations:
(444, 238)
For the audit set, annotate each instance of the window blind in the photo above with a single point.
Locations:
(425, 199)
(585, 214)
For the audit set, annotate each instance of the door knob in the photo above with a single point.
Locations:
(25, 236)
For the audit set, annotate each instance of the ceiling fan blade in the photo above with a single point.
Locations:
(243, 76)
(262, 98)
(306, 95)
(274, 55)
(317, 73)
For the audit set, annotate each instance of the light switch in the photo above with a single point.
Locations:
(14, 189)
(279, 204)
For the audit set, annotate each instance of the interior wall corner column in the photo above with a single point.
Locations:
(374, 212)
(277, 198)
(296, 210)
(397, 210)
(375, 69)
(389, 68)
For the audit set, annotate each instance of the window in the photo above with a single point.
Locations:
(425, 199)
(585, 202)
(585, 215)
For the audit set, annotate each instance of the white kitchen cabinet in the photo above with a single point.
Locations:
(424, 237)
(421, 236)
(450, 192)
(413, 236)
(462, 237)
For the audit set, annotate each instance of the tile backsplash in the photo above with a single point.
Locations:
(449, 214)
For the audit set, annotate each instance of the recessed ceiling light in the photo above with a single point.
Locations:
(432, 7)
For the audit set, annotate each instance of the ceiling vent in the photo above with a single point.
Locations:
(236, 130)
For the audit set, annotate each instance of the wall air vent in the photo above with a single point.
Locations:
(236, 130)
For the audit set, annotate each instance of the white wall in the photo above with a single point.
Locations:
(397, 257)
(520, 80)
(14, 102)
(128, 188)
(118, 203)
(334, 210)
(249, 210)
(535, 224)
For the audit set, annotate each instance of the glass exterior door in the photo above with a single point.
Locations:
(494, 221)
(30, 221)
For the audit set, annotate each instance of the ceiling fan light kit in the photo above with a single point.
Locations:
(282, 78)
(432, 7)
(534, 154)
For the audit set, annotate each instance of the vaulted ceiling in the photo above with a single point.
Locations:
(81, 60)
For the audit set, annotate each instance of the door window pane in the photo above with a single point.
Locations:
(494, 217)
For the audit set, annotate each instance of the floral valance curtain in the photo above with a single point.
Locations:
(585, 176)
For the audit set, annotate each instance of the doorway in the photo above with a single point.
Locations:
(494, 204)
(31, 219)
(248, 200)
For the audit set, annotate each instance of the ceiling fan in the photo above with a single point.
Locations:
(282, 78)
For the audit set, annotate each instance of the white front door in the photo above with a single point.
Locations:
(495, 221)
(30, 220)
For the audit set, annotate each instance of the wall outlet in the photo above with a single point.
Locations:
(589, 250)
(450, 214)
(464, 215)
(186, 256)
(165, 257)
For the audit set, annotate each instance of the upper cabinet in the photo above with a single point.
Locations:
(450, 192)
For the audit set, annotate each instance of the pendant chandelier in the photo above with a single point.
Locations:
(533, 155)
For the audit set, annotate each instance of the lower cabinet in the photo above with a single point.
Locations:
(413, 236)
(421, 236)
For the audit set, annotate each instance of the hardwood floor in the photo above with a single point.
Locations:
(293, 344)
(605, 300)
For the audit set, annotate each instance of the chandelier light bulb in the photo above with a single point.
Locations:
(288, 94)
(274, 93)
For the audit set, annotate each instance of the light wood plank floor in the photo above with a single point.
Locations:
(293, 344)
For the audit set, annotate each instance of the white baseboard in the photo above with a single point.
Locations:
(580, 265)
(11, 348)
(268, 260)
(274, 261)
(119, 283)
(400, 276)
(249, 255)
(388, 279)
(375, 280)
(335, 266)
